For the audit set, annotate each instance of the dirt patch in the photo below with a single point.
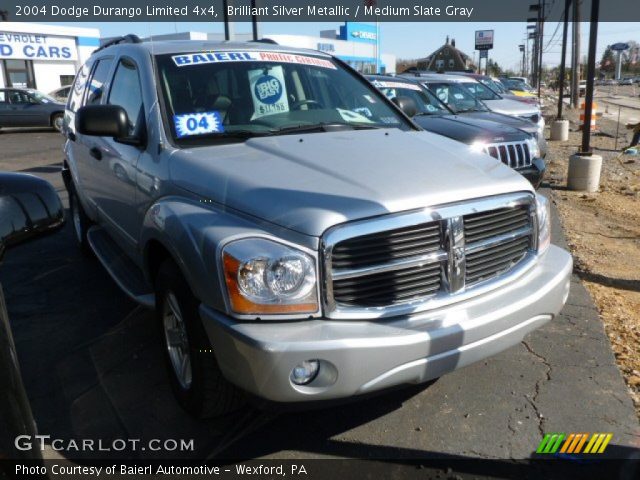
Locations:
(603, 232)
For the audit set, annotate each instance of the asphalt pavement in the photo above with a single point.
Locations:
(93, 369)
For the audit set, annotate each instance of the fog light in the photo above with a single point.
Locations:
(305, 372)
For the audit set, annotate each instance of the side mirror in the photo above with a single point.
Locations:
(407, 105)
(29, 207)
(102, 121)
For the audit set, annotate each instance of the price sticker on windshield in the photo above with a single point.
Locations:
(268, 91)
(197, 123)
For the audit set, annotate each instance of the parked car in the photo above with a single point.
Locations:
(61, 94)
(513, 147)
(29, 207)
(463, 102)
(626, 81)
(496, 87)
(488, 97)
(25, 107)
(299, 237)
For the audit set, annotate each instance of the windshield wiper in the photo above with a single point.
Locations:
(320, 127)
(233, 134)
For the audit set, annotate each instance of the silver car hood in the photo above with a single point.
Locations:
(511, 107)
(310, 182)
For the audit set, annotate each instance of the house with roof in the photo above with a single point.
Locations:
(447, 58)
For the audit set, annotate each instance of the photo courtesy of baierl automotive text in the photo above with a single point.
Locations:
(330, 239)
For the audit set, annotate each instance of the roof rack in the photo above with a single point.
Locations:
(130, 38)
(265, 40)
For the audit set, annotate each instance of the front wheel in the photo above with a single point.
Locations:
(57, 122)
(195, 376)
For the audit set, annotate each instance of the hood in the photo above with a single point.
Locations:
(310, 182)
(512, 107)
(514, 122)
(469, 130)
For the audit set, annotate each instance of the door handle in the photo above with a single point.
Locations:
(96, 153)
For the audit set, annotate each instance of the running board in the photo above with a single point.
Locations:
(121, 268)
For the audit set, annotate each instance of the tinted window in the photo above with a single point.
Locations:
(98, 80)
(77, 90)
(126, 91)
(18, 96)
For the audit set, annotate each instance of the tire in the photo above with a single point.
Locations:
(200, 387)
(57, 122)
(80, 222)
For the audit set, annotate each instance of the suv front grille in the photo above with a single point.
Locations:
(382, 247)
(514, 154)
(409, 262)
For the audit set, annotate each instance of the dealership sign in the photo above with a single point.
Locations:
(484, 39)
(619, 47)
(30, 46)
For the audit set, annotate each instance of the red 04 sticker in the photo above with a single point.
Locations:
(197, 123)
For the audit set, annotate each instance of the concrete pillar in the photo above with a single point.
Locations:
(584, 172)
(560, 130)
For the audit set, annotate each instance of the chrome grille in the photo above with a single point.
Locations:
(409, 262)
(514, 154)
(382, 247)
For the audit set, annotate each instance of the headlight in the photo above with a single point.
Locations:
(543, 215)
(267, 277)
(534, 148)
(478, 147)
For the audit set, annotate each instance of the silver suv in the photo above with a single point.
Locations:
(298, 236)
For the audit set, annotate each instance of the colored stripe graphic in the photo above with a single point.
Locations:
(574, 442)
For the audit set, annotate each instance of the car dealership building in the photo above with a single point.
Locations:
(40, 56)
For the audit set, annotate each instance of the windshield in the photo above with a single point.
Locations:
(456, 98)
(426, 102)
(497, 87)
(214, 95)
(516, 85)
(41, 97)
(482, 92)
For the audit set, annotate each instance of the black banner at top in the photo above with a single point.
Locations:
(305, 10)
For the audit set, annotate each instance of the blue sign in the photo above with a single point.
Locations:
(197, 123)
(618, 47)
(268, 89)
(358, 32)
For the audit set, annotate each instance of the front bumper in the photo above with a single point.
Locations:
(534, 173)
(359, 357)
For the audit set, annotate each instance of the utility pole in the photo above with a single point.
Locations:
(575, 56)
(524, 60)
(565, 28)
(254, 22)
(541, 16)
(229, 33)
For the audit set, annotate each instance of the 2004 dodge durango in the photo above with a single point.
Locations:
(298, 236)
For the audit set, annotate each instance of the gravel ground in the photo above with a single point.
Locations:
(603, 232)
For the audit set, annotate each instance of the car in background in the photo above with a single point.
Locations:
(517, 87)
(26, 107)
(61, 94)
(626, 81)
(512, 146)
(582, 88)
(469, 95)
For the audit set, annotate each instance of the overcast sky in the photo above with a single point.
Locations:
(410, 40)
